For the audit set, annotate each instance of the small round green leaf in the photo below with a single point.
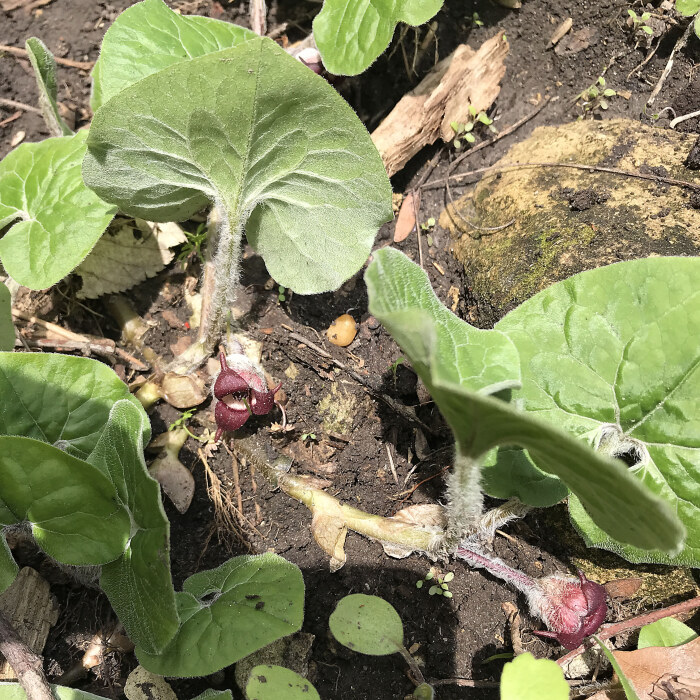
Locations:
(667, 632)
(54, 219)
(688, 8)
(367, 624)
(276, 683)
(527, 678)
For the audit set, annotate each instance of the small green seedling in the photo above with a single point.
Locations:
(440, 587)
(281, 294)
(476, 20)
(181, 422)
(309, 437)
(192, 247)
(639, 22)
(429, 225)
(466, 131)
(369, 625)
(595, 97)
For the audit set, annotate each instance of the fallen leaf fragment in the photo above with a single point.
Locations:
(183, 390)
(623, 588)
(465, 78)
(167, 469)
(663, 673)
(131, 251)
(330, 532)
(406, 220)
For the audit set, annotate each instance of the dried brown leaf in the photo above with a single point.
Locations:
(406, 220)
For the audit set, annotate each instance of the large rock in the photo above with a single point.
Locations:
(566, 220)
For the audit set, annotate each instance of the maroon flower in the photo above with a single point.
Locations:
(573, 610)
(240, 392)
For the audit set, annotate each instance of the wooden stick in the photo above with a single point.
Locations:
(13, 104)
(610, 630)
(22, 53)
(25, 663)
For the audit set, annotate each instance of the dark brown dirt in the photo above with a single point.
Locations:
(455, 637)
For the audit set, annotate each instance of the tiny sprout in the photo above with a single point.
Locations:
(428, 225)
(419, 583)
(439, 588)
(476, 21)
(308, 437)
(280, 294)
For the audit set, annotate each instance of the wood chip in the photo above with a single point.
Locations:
(17, 138)
(466, 77)
(31, 610)
(561, 31)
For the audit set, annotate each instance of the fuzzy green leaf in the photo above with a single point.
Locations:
(138, 583)
(230, 612)
(54, 219)
(7, 329)
(149, 37)
(44, 66)
(688, 8)
(459, 372)
(62, 400)
(275, 682)
(367, 624)
(612, 356)
(71, 506)
(352, 34)
(257, 132)
(528, 678)
(667, 632)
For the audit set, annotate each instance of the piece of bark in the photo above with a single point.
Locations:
(466, 77)
(31, 610)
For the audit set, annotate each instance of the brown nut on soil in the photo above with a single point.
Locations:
(342, 331)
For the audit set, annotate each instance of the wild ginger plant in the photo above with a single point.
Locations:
(202, 113)
(73, 476)
(551, 401)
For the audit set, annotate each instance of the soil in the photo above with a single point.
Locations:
(452, 638)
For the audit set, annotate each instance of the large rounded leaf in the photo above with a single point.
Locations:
(230, 612)
(270, 142)
(613, 356)
(149, 37)
(351, 34)
(57, 219)
(62, 400)
(72, 507)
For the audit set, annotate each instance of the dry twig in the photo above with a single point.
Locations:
(22, 53)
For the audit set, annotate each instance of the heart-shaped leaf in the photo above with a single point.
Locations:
(612, 355)
(667, 632)
(149, 37)
(57, 220)
(275, 682)
(138, 583)
(71, 506)
(270, 142)
(621, 504)
(62, 400)
(44, 66)
(230, 612)
(352, 34)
